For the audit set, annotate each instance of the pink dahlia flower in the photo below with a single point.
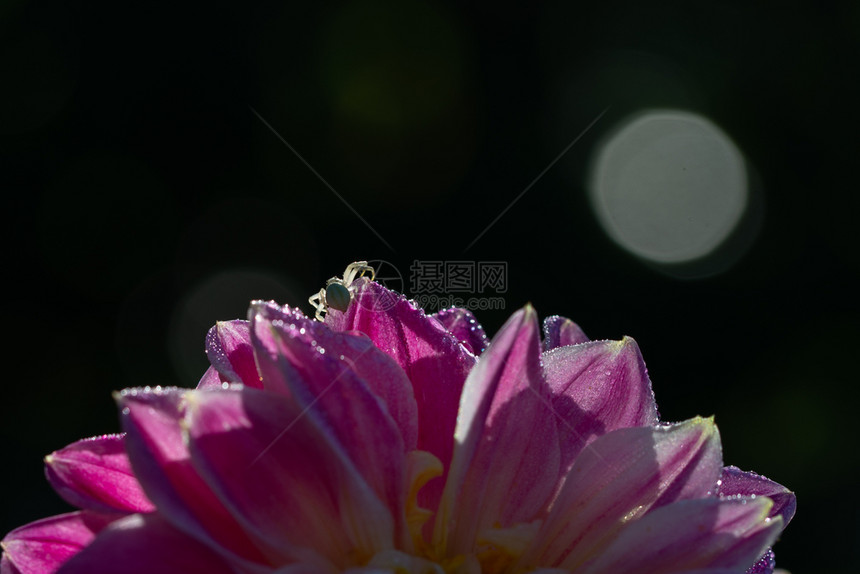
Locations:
(386, 440)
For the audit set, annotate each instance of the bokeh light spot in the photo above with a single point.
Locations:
(669, 186)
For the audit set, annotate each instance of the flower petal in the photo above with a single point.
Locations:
(95, 474)
(691, 534)
(462, 324)
(143, 544)
(282, 474)
(156, 443)
(560, 331)
(620, 477)
(766, 563)
(506, 452)
(434, 360)
(228, 347)
(378, 372)
(43, 546)
(598, 387)
(307, 361)
(210, 379)
(734, 482)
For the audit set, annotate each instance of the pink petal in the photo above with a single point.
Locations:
(307, 361)
(145, 544)
(560, 331)
(620, 476)
(210, 380)
(278, 469)
(377, 371)
(156, 445)
(228, 347)
(766, 563)
(598, 387)
(462, 324)
(43, 546)
(434, 360)
(95, 474)
(506, 456)
(734, 482)
(691, 534)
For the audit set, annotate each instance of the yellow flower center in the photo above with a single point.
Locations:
(496, 551)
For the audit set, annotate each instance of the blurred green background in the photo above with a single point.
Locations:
(144, 200)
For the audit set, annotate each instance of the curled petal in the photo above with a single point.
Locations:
(228, 347)
(690, 535)
(434, 360)
(462, 324)
(322, 382)
(598, 387)
(143, 544)
(620, 477)
(506, 456)
(560, 331)
(735, 482)
(765, 564)
(43, 546)
(356, 352)
(95, 474)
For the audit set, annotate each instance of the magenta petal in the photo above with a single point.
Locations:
(691, 534)
(378, 372)
(310, 360)
(623, 475)
(598, 387)
(765, 564)
(734, 482)
(462, 324)
(157, 448)
(560, 331)
(506, 455)
(145, 544)
(434, 360)
(228, 347)
(95, 474)
(210, 380)
(283, 476)
(42, 546)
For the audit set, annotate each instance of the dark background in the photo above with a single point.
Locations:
(143, 200)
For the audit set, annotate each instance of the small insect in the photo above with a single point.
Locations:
(336, 293)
